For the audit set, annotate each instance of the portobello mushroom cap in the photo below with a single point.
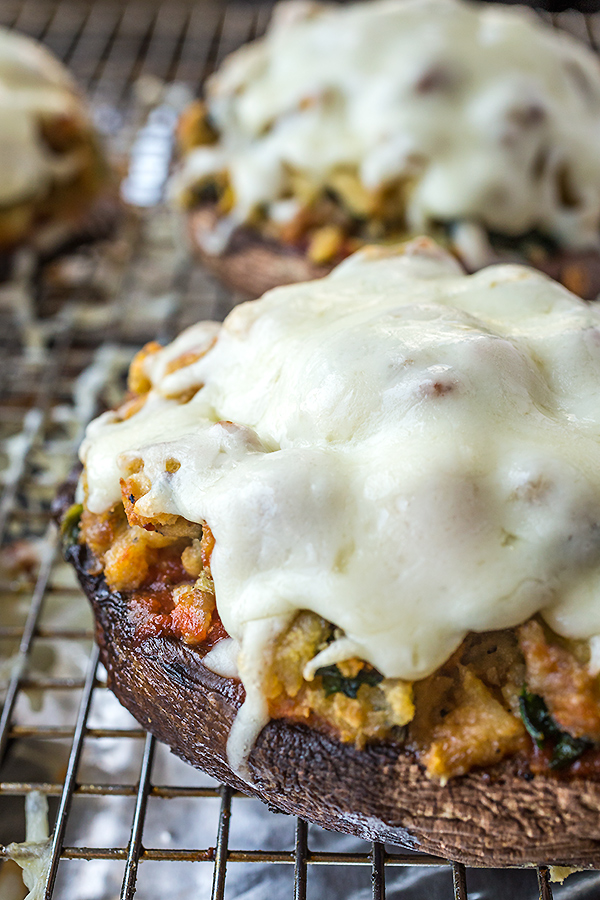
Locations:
(500, 816)
(95, 222)
(252, 263)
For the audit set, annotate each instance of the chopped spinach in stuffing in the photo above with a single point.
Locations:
(542, 727)
(336, 683)
(69, 527)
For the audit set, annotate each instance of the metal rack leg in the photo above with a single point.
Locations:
(378, 871)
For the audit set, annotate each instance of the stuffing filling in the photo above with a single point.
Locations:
(524, 693)
(333, 219)
(337, 217)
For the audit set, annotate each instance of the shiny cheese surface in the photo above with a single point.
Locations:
(33, 85)
(487, 113)
(410, 452)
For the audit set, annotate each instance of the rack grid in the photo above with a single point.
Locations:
(66, 338)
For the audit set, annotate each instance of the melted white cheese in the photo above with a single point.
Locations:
(409, 452)
(222, 659)
(33, 85)
(490, 113)
(34, 855)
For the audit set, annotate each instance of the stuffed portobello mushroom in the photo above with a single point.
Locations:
(56, 186)
(343, 552)
(475, 123)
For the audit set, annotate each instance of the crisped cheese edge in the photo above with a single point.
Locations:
(33, 84)
(407, 451)
(558, 874)
(489, 113)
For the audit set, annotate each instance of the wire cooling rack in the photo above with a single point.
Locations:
(67, 335)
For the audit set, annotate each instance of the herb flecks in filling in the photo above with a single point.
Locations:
(371, 707)
(544, 731)
(334, 681)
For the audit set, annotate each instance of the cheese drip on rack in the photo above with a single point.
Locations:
(34, 86)
(482, 112)
(410, 452)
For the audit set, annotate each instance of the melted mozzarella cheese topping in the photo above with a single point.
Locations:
(488, 114)
(409, 452)
(34, 85)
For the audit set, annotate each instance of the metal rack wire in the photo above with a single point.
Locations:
(65, 344)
